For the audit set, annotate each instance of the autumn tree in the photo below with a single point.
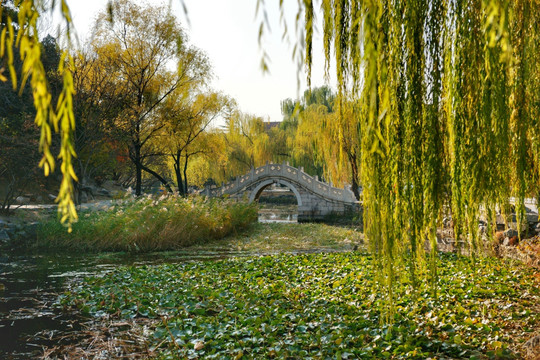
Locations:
(186, 117)
(323, 141)
(306, 140)
(247, 142)
(98, 99)
(278, 144)
(145, 44)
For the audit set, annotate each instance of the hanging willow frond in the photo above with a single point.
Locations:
(449, 116)
(27, 40)
(308, 5)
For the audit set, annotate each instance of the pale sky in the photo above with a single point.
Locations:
(227, 30)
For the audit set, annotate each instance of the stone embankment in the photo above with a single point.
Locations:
(11, 232)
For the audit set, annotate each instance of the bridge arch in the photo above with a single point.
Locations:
(315, 198)
(256, 192)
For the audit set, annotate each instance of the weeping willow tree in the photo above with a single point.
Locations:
(19, 28)
(449, 116)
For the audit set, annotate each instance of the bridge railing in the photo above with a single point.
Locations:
(288, 172)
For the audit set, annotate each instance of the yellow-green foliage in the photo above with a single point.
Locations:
(449, 113)
(321, 135)
(148, 224)
(247, 143)
(61, 119)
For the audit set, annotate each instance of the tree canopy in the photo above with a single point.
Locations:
(449, 112)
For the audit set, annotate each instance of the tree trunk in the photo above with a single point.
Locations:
(138, 169)
(179, 181)
(178, 173)
(185, 175)
(354, 180)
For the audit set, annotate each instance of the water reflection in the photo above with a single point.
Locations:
(278, 214)
(278, 204)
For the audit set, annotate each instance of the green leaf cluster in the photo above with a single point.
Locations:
(318, 306)
(448, 118)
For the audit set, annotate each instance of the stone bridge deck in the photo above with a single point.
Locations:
(315, 198)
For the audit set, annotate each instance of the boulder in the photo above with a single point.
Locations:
(104, 192)
(31, 229)
(90, 190)
(23, 200)
(511, 233)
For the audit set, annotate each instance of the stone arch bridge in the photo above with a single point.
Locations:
(315, 199)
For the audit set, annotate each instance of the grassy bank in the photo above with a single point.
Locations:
(316, 306)
(149, 224)
(269, 238)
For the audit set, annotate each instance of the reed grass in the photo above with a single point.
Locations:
(149, 224)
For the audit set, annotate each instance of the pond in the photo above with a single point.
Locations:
(278, 204)
(30, 286)
(278, 213)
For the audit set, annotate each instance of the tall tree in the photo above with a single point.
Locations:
(323, 141)
(446, 114)
(98, 99)
(247, 142)
(143, 43)
(186, 118)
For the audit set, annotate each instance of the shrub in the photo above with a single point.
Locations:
(148, 224)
